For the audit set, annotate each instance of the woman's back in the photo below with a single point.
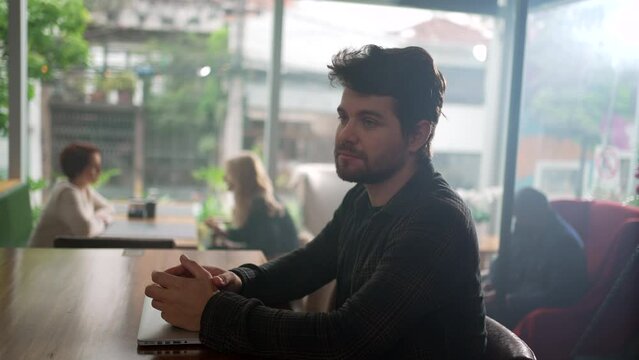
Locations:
(69, 211)
(273, 232)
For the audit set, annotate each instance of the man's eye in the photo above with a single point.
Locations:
(342, 119)
(369, 122)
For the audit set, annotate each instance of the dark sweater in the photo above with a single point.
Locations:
(407, 285)
(274, 235)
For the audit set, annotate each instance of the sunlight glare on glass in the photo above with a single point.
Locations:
(407, 33)
(204, 71)
(620, 31)
(480, 52)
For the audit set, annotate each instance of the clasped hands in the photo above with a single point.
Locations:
(104, 215)
(181, 292)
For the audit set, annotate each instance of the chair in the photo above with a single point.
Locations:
(112, 242)
(597, 222)
(502, 344)
(616, 322)
(15, 214)
(321, 191)
(554, 332)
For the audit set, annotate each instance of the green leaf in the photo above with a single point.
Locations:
(56, 42)
(105, 177)
(35, 185)
(213, 176)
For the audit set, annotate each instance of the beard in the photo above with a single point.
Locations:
(373, 172)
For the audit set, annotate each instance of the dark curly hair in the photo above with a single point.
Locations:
(408, 75)
(75, 157)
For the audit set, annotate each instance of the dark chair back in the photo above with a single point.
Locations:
(503, 344)
(112, 242)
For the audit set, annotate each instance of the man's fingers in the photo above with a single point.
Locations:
(155, 292)
(157, 305)
(164, 279)
(166, 317)
(194, 268)
(219, 281)
(178, 270)
(227, 281)
(214, 270)
(223, 279)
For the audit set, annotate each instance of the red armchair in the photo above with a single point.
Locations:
(553, 332)
(616, 321)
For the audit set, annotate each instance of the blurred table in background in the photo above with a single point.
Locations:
(172, 220)
(177, 210)
(488, 248)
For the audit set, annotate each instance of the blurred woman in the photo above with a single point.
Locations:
(259, 220)
(74, 207)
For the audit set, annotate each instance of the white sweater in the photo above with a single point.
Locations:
(71, 211)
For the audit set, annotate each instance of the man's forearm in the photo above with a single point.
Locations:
(235, 324)
(287, 278)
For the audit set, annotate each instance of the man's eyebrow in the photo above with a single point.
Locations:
(370, 113)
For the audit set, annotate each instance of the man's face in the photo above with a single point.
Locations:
(369, 145)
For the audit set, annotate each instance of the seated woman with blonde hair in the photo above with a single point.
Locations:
(259, 220)
(74, 207)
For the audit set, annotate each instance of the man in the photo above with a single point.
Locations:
(402, 244)
(544, 266)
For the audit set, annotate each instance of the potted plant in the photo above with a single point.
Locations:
(124, 83)
(100, 89)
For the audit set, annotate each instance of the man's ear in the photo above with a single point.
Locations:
(420, 137)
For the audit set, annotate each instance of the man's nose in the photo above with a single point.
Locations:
(347, 132)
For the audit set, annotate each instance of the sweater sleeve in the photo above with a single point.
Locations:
(413, 279)
(100, 203)
(305, 269)
(80, 219)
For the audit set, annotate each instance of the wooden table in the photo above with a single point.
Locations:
(8, 184)
(86, 303)
(488, 248)
(172, 221)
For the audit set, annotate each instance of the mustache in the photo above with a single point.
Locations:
(348, 149)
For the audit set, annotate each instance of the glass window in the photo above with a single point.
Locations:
(314, 31)
(578, 146)
(141, 85)
(168, 90)
(578, 131)
(151, 83)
